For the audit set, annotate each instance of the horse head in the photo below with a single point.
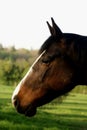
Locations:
(51, 75)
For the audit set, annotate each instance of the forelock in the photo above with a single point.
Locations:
(48, 43)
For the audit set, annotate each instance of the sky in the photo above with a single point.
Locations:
(23, 22)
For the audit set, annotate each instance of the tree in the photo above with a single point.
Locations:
(10, 73)
(1, 46)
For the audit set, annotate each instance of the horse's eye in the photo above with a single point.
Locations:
(48, 59)
(45, 61)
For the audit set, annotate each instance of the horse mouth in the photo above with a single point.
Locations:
(27, 111)
(30, 112)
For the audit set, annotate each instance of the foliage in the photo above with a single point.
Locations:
(71, 114)
(14, 64)
(10, 72)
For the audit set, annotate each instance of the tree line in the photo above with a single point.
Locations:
(14, 63)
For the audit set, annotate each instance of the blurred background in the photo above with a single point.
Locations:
(23, 30)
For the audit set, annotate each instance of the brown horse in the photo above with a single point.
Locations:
(60, 66)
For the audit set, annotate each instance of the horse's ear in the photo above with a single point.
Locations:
(54, 29)
(57, 30)
(50, 28)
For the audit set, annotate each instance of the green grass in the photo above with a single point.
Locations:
(71, 114)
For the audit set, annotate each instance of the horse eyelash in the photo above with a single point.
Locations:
(48, 59)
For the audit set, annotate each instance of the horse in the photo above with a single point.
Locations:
(60, 66)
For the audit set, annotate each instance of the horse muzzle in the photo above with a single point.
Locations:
(29, 110)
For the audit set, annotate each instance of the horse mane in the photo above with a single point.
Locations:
(79, 49)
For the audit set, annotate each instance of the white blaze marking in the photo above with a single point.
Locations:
(16, 91)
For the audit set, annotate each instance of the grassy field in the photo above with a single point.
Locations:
(71, 114)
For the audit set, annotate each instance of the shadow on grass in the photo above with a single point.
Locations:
(42, 121)
(11, 120)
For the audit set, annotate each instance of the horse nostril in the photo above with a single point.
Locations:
(15, 101)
